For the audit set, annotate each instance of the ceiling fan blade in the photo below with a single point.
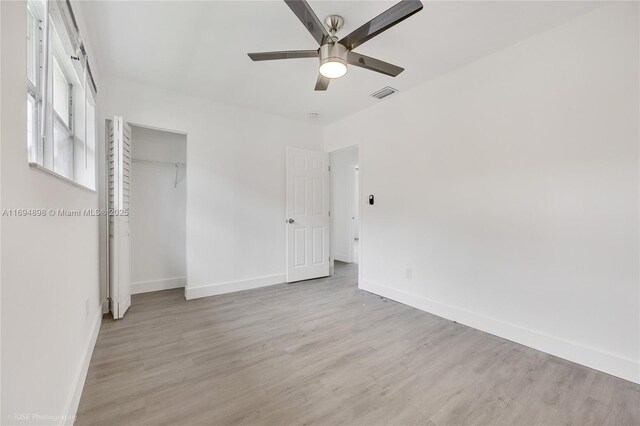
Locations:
(322, 83)
(285, 54)
(309, 19)
(382, 22)
(373, 64)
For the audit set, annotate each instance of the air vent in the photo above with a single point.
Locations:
(384, 92)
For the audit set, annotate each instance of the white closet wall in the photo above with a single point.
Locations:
(158, 211)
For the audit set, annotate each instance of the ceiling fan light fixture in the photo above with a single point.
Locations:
(333, 60)
(335, 53)
(333, 69)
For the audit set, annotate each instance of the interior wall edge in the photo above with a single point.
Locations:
(597, 359)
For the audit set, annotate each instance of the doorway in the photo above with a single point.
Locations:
(345, 205)
(158, 210)
(144, 190)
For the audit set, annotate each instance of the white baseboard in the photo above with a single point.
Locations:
(157, 285)
(232, 286)
(342, 258)
(625, 368)
(83, 368)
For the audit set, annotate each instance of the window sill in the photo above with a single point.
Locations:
(37, 166)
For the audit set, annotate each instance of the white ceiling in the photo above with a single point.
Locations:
(199, 47)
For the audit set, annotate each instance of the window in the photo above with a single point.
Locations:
(32, 127)
(34, 96)
(61, 94)
(33, 45)
(61, 131)
(62, 150)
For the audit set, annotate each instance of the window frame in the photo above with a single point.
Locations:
(38, 47)
(35, 89)
(69, 101)
(35, 128)
(41, 150)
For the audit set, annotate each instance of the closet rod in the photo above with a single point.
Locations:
(162, 163)
(159, 163)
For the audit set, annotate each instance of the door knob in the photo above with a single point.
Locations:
(290, 221)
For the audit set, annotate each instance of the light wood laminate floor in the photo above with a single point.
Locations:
(324, 352)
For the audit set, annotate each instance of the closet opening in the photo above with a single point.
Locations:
(158, 209)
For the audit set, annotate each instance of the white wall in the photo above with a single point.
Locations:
(50, 291)
(343, 165)
(510, 187)
(158, 211)
(236, 182)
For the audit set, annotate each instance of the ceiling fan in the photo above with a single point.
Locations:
(335, 54)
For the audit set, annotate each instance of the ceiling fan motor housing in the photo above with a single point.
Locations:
(333, 52)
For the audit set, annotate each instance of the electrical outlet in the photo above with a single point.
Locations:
(409, 273)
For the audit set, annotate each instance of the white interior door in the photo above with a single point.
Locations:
(307, 214)
(119, 135)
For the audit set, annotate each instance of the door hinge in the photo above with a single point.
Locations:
(329, 168)
(329, 213)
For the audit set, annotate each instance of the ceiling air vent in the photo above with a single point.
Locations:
(384, 92)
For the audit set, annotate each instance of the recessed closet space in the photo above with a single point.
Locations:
(158, 209)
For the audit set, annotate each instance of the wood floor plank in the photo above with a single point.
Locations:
(324, 352)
